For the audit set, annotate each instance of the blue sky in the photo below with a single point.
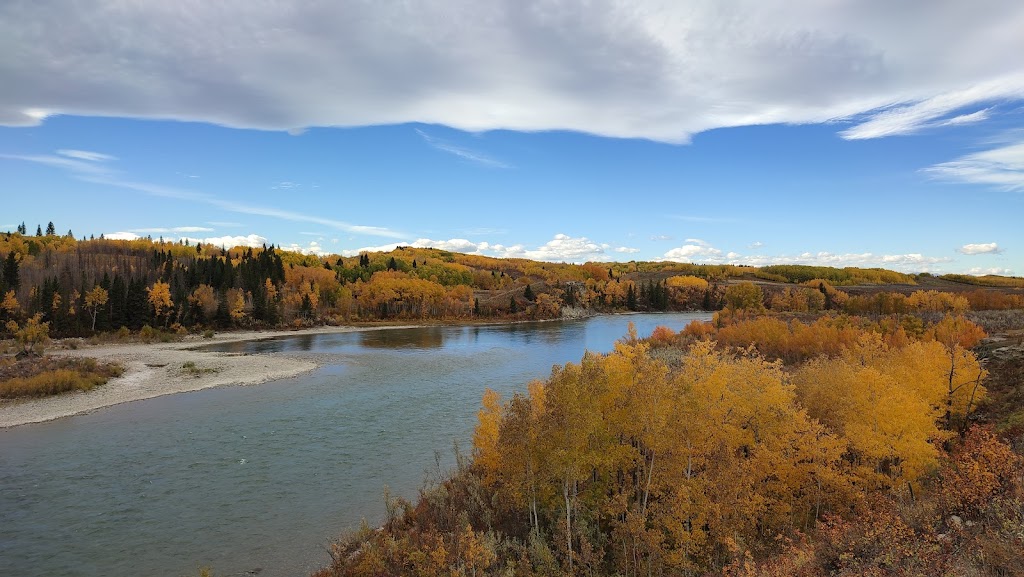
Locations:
(744, 132)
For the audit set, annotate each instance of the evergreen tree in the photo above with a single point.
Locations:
(512, 306)
(223, 315)
(50, 229)
(22, 229)
(11, 279)
(528, 295)
(476, 305)
(631, 298)
(392, 265)
(39, 230)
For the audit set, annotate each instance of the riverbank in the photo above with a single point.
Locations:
(157, 369)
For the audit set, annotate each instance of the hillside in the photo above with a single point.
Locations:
(81, 287)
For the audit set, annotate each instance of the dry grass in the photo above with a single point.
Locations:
(51, 376)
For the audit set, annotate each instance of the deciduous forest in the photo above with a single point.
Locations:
(82, 287)
(749, 445)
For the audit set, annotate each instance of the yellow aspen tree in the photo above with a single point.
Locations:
(94, 300)
(160, 299)
(10, 304)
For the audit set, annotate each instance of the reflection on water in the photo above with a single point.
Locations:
(420, 338)
(240, 478)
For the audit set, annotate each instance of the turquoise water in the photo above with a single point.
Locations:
(259, 479)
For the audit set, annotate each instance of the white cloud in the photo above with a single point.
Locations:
(86, 155)
(661, 237)
(982, 248)
(312, 248)
(561, 248)
(253, 240)
(755, 245)
(978, 271)
(229, 241)
(161, 230)
(1001, 167)
(694, 252)
(698, 251)
(929, 111)
(650, 69)
(121, 236)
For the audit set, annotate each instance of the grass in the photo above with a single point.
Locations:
(191, 368)
(51, 376)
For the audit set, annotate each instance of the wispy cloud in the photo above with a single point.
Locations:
(911, 117)
(86, 155)
(1002, 168)
(980, 248)
(102, 174)
(461, 152)
(755, 245)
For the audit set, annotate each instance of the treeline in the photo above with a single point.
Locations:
(695, 452)
(794, 273)
(80, 287)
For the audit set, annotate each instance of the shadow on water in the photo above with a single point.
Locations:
(264, 476)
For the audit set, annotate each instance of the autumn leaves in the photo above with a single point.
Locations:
(678, 456)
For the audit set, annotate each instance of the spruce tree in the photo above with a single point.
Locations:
(11, 271)
(528, 295)
(50, 229)
(39, 230)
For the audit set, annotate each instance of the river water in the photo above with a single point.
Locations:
(259, 479)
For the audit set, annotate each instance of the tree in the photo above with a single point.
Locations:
(21, 228)
(11, 270)
(528, 294)
(39, 230)
(33, 336)
(10, 305)
(160, 299)
(50, 229)
(744, 296)
(95, 299)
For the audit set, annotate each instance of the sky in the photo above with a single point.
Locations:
(836, 133)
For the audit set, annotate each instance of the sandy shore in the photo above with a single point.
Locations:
(155, 369)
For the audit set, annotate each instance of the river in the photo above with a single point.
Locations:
(259, 479)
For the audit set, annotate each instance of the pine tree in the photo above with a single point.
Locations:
(50, 229)
(21, 228)
(392, 265)
(528, 295)
(39, 230)
(11, 279)
(631, 298)
(476, 305)
(512, 306)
